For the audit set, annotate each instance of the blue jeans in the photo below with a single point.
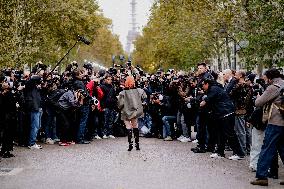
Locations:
(273, 141)
(145, 121)
(98, 123)
(109, 120)
(84, 113)
(240, 128)
(35, 126)
(167, 126)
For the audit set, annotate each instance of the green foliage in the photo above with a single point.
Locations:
(181, 33)
(33, 30)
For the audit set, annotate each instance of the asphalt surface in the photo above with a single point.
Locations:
(106, 164)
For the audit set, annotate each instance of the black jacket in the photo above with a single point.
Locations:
(218, 101)
(229, 87)
(170, 102)
(109, 99)
(32, 96)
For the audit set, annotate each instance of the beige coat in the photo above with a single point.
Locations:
(130, 103)
(271, 94)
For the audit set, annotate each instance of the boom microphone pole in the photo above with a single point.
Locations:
(80, 38)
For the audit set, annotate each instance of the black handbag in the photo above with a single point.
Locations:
(256, 119)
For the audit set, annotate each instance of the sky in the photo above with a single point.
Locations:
(119, 11)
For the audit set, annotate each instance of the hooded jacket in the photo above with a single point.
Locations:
(130, 103)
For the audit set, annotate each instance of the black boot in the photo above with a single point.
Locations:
(136, 136)
(7, 154)
(129, 134)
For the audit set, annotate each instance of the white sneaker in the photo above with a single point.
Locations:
(215, 155)
(181, 137)
(252, 169)
(185, 139)
(111, 136)
(35, 146)
(49, 141)
(195, 141)
(98, 137)
(168, 138)
(56, 140)
(235, 157)
(105, 137)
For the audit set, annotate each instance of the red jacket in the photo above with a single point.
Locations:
(99, 93)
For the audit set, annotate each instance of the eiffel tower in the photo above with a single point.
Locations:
(133, 33)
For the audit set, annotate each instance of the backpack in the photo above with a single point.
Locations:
(53, 98)
(256, 119)
(280, 107)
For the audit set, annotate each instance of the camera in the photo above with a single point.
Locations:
(117, 66)
(83, 93)
(129, 63)
(112, 71)
(88, 66)
(95, 101)
(157, 96)
(122, 70)
(192, 103)
(257, 89)
(71, 67)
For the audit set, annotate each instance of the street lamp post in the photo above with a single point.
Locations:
(113, 60)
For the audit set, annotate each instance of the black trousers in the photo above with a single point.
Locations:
(9, 125)
(225, 131)
(66, 125)
(202, 129)
(95, 123)
(212, 133)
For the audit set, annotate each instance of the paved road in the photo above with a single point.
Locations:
(106, 164)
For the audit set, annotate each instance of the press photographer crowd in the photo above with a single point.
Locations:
(235, 111)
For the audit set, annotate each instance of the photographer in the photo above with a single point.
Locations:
(192, 103)
(109, 104)
(33, 108)
(155, 110)
(68, 103)
(183, 91)
(255, 120)
(230, 80)
(8, 113)
(241, 95)
(145, 123)
(274, 133)
(169, 110)
(52, 108)
(203, 113)
(83, 111)
(223, 112)
(97, 114)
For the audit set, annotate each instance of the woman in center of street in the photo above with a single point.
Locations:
(131, 107)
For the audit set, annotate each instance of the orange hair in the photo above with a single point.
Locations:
(129, 82)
